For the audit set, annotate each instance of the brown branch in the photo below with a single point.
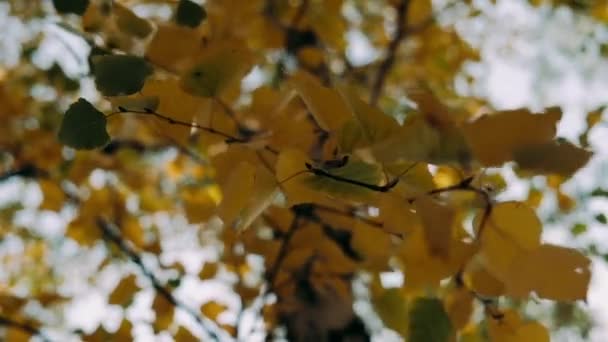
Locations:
(401, 33)
(111, 234)
(25, 327)
(393, 46)
(26, 171)
(283, 250)
(379, 188)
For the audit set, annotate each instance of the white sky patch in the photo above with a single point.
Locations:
(359, 50)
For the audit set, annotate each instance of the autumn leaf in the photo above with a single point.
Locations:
(495, 138)
(552, 272)
(511, 328)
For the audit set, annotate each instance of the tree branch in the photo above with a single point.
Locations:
(401, 33)
(393, 46)
(112, 235)
(27, 328)
(230, 139)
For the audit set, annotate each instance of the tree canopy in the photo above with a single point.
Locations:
(235, 170)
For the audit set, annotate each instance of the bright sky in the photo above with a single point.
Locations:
(515, 40)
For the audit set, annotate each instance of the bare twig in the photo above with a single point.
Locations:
(111, 234)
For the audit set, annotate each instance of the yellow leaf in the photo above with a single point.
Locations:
(495, 138)
(510, 328)
(265, 189)
(83, 231)
(173, 45)
(422, 269)
(292, 175)
(397, 214)
(419, 11)
(236, 192)
(511, 229)
(325, 104)
(16, 335)
(130, 23)
(373, 245)
(208, 271)
(558, 157)
(437, 220)
(391, 306)
(184, 335)
(175, 104)
(199, 203)
(133, 231)
(53, 196)
(164, 311)
(480, 280)
(125, 290)
(212, 310)
(311, 56)
(375, 126)
(459, 306)
(552, 272)
(219, 67)
(415, 141)
(124, 331)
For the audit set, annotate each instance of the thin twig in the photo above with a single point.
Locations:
(27, 328)
(230, 139)
(110, 234)
(393, 46)
(380, 188)
(172, 121)
(401, 33)
(283, 250)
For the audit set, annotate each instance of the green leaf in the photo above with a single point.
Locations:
(578, 229)
(428, 321)
(601, 218)
(120, 74)
(83, 126)
(599, 192)
(189, 13)
(71, 6)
